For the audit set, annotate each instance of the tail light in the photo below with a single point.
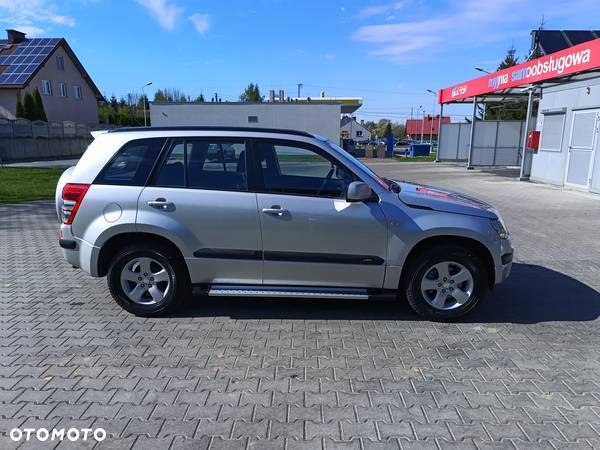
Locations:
(72, 196)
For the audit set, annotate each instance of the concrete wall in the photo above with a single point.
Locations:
(318, 118)
(30, 149)
(550, 166)
(65, 108)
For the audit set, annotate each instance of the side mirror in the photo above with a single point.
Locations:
(358, 192)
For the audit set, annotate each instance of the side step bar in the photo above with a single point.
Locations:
(286, 292)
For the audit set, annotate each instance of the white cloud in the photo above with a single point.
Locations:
(474, 23)
(32, 16)
(201, 22)
(377, 10)
(163, 11)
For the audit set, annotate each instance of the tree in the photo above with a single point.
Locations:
(29, 106)
(388, 129)
(200, 98)
(251, 94)
(20, 112)
(506, 111)
(40, 113)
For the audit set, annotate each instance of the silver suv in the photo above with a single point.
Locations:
(164, 212)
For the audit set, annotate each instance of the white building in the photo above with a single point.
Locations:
(569, 121)
(353, 130)
(318, 118)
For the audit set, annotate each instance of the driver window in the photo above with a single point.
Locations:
(302, 171)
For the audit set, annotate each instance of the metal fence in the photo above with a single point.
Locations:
(23, 128)
(495, 142)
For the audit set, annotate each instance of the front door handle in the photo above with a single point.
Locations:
(275, 210)
(161, 203)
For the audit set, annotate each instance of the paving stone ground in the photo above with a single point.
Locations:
(523, 371)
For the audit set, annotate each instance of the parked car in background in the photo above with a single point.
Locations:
(293, 215)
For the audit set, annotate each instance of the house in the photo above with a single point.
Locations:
(351, 129)
(428, 126)
(48, 64)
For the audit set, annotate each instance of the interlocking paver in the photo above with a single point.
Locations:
(521, 372)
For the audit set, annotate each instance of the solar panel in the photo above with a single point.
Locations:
(25, 59)
(552, 41)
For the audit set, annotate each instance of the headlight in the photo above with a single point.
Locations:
(500, 228)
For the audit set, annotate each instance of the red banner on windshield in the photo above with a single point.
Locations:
(580, 57)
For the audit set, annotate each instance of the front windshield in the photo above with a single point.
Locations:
(380, 181)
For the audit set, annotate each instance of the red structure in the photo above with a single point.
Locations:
(413, 127)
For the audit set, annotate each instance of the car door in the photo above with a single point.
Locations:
(311, 235)
(199, 199)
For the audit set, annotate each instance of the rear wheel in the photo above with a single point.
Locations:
(446, 282)
(147, 280)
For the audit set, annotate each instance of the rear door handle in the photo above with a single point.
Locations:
(161, 203)
(275, 210)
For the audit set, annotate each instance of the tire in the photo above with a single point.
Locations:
(159, 292)
(449, 297)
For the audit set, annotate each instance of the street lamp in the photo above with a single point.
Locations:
(479, 69)
(432, 117)
(144, 100)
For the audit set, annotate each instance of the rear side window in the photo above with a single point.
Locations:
(132, 164)
(218, 164)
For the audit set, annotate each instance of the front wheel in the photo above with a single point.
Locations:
(446, 282)
(147, 280)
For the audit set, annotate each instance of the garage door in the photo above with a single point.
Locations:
(581, 148)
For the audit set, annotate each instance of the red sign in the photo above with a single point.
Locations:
(580, 57)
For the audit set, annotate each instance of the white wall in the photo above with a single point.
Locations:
(550, 166)
(318, 119)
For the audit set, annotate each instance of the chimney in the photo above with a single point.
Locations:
(15, 37)
(281, 95)
(271, 95)
(322, 94)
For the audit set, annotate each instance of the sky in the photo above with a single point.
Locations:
(387, 53)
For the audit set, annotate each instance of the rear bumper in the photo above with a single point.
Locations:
(77, 252)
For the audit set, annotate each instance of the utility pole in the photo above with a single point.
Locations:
(300, 86)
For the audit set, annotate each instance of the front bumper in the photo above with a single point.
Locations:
(504, 261)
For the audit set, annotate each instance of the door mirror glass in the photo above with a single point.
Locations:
(358, 191)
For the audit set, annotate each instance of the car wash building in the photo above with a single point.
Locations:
(561, 144)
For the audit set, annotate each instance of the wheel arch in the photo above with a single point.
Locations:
(474, 245)
(113, 244)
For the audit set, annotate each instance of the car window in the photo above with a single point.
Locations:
(132, 163)
(172, 173)
(204, 164)
(292, 169)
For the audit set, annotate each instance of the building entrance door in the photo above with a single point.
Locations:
(584, 137)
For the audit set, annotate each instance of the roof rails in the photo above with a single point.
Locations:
(207, 128)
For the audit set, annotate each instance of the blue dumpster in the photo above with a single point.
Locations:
(422, 149)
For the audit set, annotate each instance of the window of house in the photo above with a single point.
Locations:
(77, 92)
(359, 133)
(60, 63)
(133, 163)
(291, 169)
(252, 119)
(62, 87)
(46, 87)
(552, 132)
